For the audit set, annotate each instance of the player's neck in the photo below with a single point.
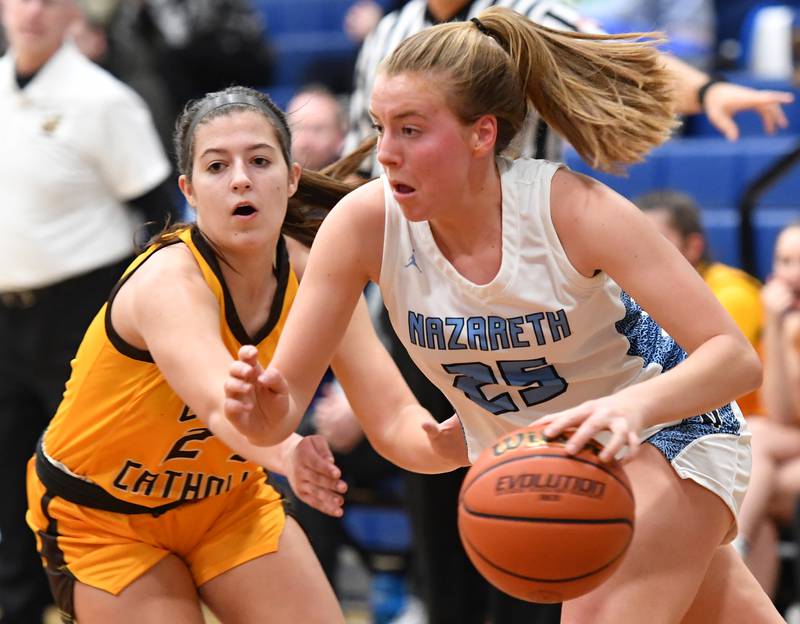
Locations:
(476, 221)
(444, 10)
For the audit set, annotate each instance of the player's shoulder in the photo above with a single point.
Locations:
(363, 204)
(359, 217)
(166, 269)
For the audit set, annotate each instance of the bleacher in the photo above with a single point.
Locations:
(717, 173)
(304, 33)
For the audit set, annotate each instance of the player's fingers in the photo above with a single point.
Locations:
(579, 439)
(634, 443)
(236, 408)
(566, 419)
(272, 380)
(248, 354)
(322, 499)
(237, 389)
(431, 428)
(320, 446)
(725, 124)
(777, 98)
(320, 459)
(324, 505)
(320, 481)
(773, 117)
(242, 370)
(613, 445)
(779, 115)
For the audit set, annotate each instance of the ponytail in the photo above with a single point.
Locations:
(610, 96)
(318, 192)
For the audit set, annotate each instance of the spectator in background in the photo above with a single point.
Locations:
(364, 15)
(172, 51)
(688, 24)
(678, 218)
(105, 33)
(319, 125)
(775, 476)
(81, 152)
(731, 19)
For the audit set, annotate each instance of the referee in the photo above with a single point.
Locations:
(80, 151)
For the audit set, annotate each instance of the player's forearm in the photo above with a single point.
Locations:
(403, 441)
(717, 372)
(687, 80)
(270, 457)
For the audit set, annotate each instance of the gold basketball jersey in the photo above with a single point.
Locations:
(122, 427)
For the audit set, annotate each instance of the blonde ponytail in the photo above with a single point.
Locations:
(610, 96)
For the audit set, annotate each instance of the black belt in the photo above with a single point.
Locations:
(86, 494)
(29, 297)
(21, 299)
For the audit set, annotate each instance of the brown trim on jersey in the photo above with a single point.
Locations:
(281, 272)
(60, 579)
(119, 343)
(87, 494)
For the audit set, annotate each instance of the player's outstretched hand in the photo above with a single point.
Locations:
(447, 439)
(255, 399)
(593, 417)
(724, 99)
(314, 477)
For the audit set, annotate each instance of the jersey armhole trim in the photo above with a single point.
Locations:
(118, 342)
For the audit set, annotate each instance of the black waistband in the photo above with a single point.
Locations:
(80, 492)
(30, 297)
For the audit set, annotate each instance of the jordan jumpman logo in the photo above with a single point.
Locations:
(412, 261)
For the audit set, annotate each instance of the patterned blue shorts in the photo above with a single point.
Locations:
(712, 449)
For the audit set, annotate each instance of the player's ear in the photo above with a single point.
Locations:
(484, 135)
(185, 185)
(694, 246)
(294, 177)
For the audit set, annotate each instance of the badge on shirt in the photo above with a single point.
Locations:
(50, 124)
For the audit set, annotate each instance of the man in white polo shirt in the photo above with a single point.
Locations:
(78, 148)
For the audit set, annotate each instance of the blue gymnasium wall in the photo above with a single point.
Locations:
(716, 173)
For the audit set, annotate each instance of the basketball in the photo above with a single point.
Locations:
(542, 525)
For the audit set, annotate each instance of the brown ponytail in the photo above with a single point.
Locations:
(319, 191)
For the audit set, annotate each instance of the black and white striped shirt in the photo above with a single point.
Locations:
(414, 17)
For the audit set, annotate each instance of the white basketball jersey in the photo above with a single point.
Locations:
(539, 338)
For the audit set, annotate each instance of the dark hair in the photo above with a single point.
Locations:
(682, 211)
(219, 104)
(684, 215)
(610, 96)
(322, 91)
(317, 192)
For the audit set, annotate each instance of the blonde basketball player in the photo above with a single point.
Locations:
(525, 291)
